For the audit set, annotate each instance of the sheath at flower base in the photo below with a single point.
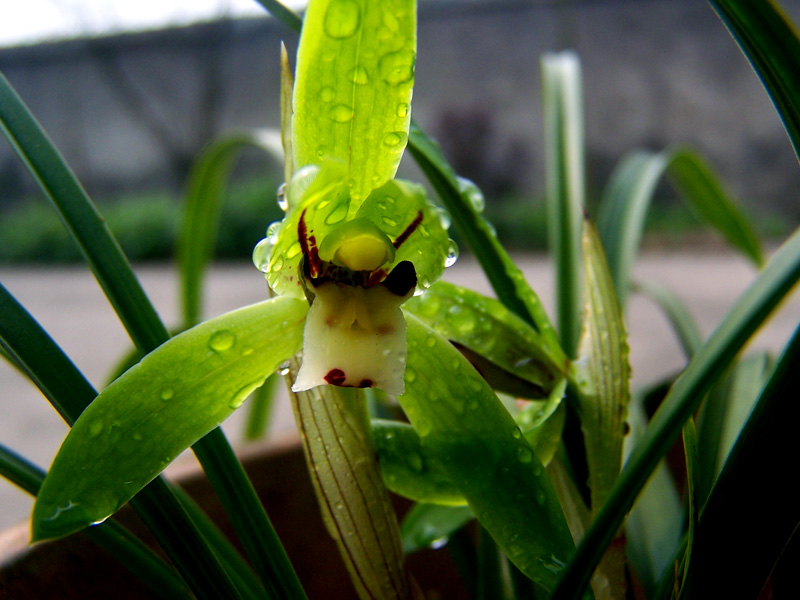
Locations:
(356, 263)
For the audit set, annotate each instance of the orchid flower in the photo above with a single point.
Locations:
(354, 246)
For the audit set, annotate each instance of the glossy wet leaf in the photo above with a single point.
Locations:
(463, 424)
(487, 328)
(602, 371)
(353, 500)
(354, 76)
(430, 525)
(408, 468)
(143, 420)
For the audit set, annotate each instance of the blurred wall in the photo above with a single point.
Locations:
(130, 111)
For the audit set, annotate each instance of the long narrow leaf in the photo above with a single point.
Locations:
(202, 207)
(111, 536)
(627, 198)
(562, 103)
(747, 314)
(754, 483)
(771, 44)
(504, 276)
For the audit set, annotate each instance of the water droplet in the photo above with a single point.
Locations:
(461, 318)
(167, 394)
(402, 110)
(283, 202)
(472, 193)
(430, 341)
(293, 250)
(338, 214)
(358, 75)
(243, 393)
(414, 461)
(389, 222)
(411, 375)
(516, 433)
(397, 67)
(96, 428)
(444, 217)
(342, 19)
(322, 151)
(276, 264)
(341, 113)
(439, 542)
(394, 139)
(327, 94)
(137, 437)
(221, 341)
(524, 455)
(261, 254)
(541, 499)
(452, 254)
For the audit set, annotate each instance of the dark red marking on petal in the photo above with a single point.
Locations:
(402, 279)
(308, 245)
(408, 231)
(335, 377)
(375, 277)
(365, 383)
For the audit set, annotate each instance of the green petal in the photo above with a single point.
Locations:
(355, 72)
(157, 409)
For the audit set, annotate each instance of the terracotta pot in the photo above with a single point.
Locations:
(75, 568)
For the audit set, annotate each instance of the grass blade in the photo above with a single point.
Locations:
(562, 102)
(753, 482)
(59, 380)
(748, 313)
(205, 194)
(504, 276)
(677, 314)
(771, 44)
(115, 539)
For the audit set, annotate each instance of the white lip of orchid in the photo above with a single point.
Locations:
(355, 332)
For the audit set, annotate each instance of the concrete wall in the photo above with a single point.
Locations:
(130, 111)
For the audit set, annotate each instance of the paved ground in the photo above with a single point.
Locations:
(72, 308)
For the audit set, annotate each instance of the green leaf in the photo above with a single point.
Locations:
(603, 372)
(562, 102)
(463, 424)
(487, 328)
(705, 194)
(626, 199)
(354, 77)
(677, 314)
(205, 194)
(754, 484)
(87, 227)
(154, 411)
(427, 525)
(503, 274)
(745, 317)
(408, 468)
(354, 502)
(623, 211)
(771, 44)
(655, 523)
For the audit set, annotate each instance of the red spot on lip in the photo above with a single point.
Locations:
(335, 377)
(365, 383)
